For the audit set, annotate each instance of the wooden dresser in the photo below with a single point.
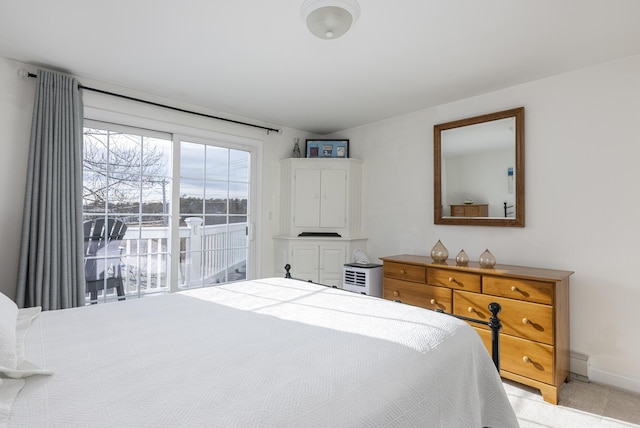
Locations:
(470, 210)
(534, 340)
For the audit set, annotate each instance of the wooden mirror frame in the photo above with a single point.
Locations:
(518, 221)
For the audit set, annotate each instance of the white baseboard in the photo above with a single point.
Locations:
(616, 380)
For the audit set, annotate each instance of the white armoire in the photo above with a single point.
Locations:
(320, 218)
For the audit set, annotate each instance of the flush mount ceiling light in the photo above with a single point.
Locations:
(329, 19)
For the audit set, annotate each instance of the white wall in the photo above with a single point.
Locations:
(16, 105)
(582, 149)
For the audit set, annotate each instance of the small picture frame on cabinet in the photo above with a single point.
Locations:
(327, 149)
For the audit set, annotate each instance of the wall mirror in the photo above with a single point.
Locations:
(479, 170)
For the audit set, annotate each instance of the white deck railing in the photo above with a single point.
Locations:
(206, 253)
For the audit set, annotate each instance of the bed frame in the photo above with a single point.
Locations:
(494, 323)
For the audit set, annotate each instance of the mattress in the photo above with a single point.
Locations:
(263, 353)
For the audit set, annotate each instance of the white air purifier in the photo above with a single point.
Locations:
(363, 278)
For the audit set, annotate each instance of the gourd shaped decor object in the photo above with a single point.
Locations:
(487, 260)
(439, 252)
(462, 259)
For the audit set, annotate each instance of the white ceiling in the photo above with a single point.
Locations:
(255, 58)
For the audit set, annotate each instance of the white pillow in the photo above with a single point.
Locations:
(8, 320)
(14, 326)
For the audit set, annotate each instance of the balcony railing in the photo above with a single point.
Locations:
(209, 254)
(210, 251)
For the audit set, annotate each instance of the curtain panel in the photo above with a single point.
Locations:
(51, 271)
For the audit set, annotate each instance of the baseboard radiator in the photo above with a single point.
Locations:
(578, 366)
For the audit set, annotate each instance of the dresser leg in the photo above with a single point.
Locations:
(550, 394)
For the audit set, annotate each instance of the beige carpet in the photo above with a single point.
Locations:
(582, 405)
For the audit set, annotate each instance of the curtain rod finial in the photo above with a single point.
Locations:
(25, 73)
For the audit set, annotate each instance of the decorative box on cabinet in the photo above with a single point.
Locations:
(319, 260)
(534, 340)
(321, 195)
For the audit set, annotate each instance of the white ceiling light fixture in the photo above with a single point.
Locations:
(329, 19)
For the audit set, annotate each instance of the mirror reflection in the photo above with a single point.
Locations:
(479, 170)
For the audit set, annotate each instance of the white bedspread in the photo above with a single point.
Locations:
(263, 353)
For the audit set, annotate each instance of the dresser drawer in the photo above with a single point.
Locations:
(522, 319)
(523, 357)
(453, 279)
(472, 211)
(457, 211)
(522, 289)
(421, 295)
(404, 272)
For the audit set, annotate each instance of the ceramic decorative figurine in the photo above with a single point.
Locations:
(296, 148)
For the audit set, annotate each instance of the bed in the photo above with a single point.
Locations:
(273, 352)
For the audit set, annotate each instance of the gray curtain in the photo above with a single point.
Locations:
(51, 271)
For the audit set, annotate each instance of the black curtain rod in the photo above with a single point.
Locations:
(126, 97)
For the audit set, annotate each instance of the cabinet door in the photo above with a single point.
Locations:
(332, 260)
(306, 209)
(320, 198)
(333, 203)
(304, 262)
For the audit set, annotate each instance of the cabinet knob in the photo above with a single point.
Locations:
(396, 294)
(514, 288)
(451, 279)
(433, 301)
(402, 271)
(471, 309)
(525, 321)
(526, 359)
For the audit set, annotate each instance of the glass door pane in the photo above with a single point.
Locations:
(214, 214)
(127, 184)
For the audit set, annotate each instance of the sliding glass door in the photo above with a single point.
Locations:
(132, 179)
